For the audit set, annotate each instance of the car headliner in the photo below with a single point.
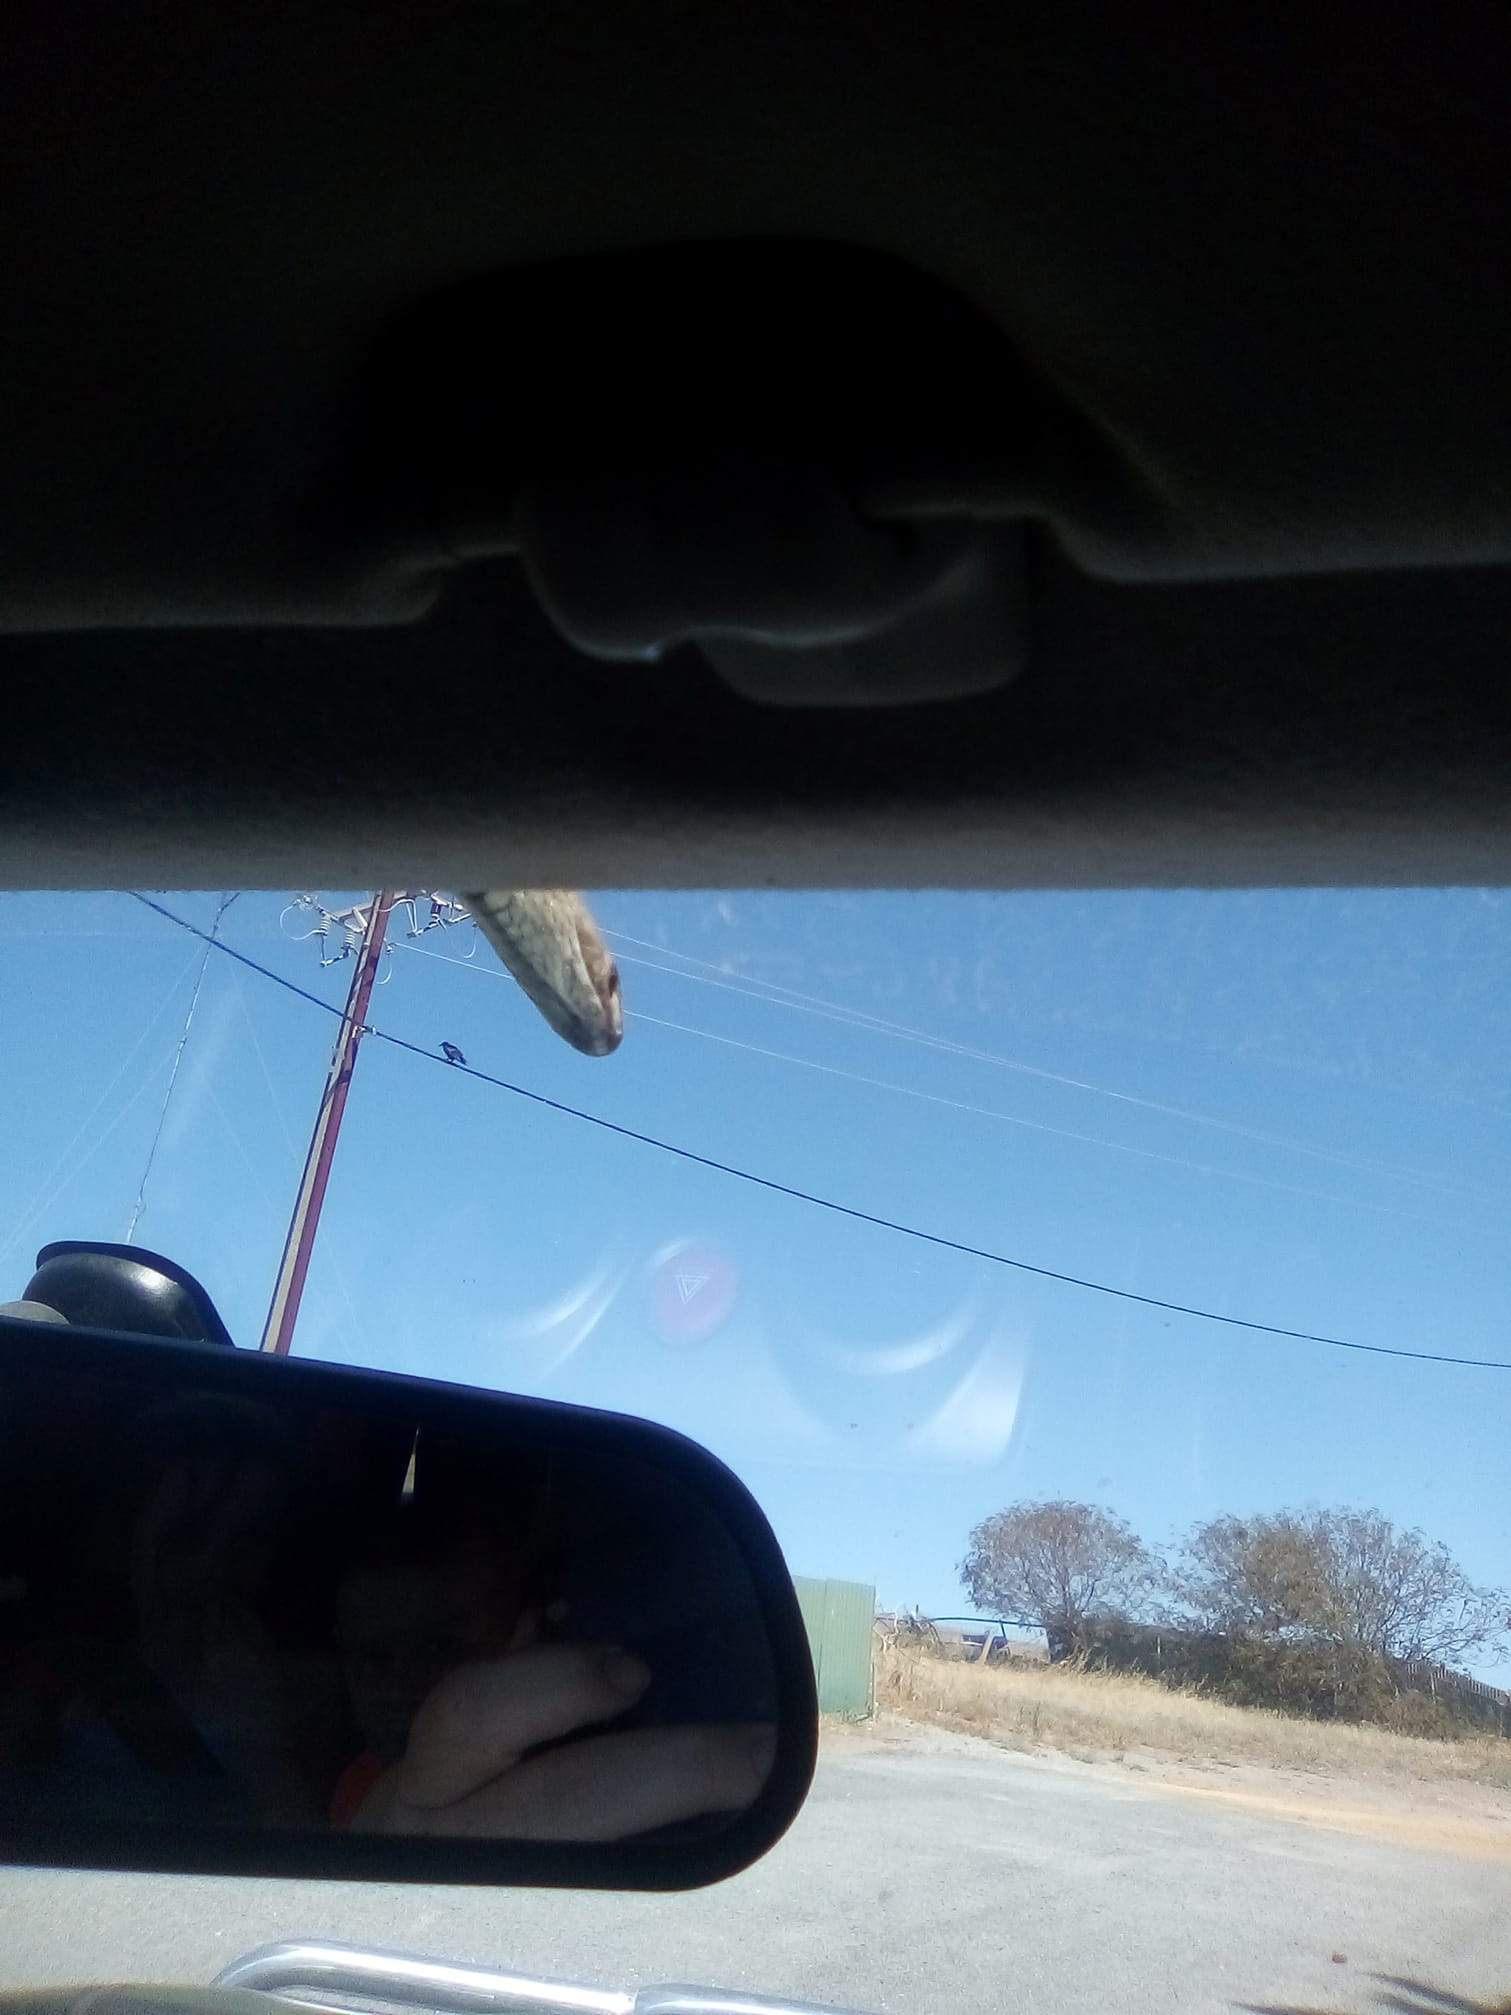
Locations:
(1248, 428)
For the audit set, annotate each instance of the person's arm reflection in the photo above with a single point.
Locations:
(450, 1691)
(466, 1770)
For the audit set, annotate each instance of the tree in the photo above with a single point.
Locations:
(1259, 1577)
(1059, 1564)
(1342, 1576)
(1402, 1595)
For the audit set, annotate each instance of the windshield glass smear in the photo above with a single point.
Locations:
(1103, 1294)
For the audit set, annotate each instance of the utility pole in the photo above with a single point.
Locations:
(278, 1332)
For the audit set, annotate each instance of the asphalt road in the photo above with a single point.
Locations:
(925, 1876)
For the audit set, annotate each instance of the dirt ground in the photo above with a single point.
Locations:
(1455, 1816)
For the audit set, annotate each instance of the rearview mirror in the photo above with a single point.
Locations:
(265, 1616)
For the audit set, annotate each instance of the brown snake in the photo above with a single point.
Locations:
(550, 943)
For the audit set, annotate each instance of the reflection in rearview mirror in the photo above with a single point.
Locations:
(247, 1597)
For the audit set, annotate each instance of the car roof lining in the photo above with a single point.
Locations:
(1340, 730)
(1252, 288)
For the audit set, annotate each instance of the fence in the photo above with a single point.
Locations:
(839, 1617)
(1489, 1706)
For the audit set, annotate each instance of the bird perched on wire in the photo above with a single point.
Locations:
(548, 940)
(451, 1053)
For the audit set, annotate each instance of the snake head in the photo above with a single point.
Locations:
(548, 940)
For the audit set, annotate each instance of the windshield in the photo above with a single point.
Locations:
(1104, 1295)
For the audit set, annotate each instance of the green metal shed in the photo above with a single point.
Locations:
(840, 1617)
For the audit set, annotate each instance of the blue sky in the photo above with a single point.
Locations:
(1291, 1106)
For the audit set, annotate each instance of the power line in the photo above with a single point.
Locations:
(850, 1211)
(1210, 1169)
(57, 1180)
(178, 1056)
(827, 1010)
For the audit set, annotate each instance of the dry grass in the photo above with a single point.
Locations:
(1108, 1714)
